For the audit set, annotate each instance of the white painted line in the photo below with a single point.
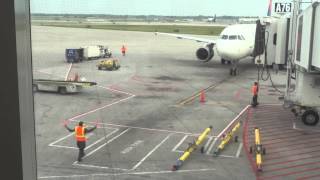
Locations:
(166, 172)
(211, 146)
(61, 139)
(53, 144)
(153, 150)
(179, 144)
(68, 72)
(61, 146)
(127, 173)
(115, 90)
(99, 167)
(142, 128)
(95, 150)
(103, 138)
(239, 150)
(207, 144)
(227, 156)
(231, 123)
(97, 109)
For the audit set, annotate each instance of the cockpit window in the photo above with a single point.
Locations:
(243, 37)
(233, 37)
(224, 37)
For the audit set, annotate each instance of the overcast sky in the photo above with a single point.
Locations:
(153, 7)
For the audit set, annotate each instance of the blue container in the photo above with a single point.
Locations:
(74, 55)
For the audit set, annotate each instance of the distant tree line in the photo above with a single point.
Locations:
(142, 17)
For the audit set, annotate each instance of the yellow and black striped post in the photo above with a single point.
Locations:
(192, 147)
(258, 149)
(226, 139)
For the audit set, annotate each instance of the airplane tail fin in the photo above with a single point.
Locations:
(269, 8)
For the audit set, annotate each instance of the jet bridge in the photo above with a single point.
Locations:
(305, 100)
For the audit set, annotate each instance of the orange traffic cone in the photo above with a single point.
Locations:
(202, 97)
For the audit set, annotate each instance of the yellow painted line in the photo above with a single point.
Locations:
(190, 99)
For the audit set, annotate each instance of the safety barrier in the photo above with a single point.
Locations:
(258, 149)
(192, 147)
(227, 138)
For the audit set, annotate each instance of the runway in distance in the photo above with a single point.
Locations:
(235, 42)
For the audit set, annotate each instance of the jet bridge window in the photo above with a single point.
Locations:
(224, 37)
(233, 37)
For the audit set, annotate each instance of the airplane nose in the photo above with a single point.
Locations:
(231, 52)
(227, 52)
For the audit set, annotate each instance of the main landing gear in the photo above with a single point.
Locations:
(233, 71)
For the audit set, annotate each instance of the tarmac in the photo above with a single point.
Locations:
(147, 112)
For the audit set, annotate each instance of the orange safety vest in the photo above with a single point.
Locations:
(123, 49)
(80, 133)
(254, 90)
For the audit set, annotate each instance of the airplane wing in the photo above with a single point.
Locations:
(211, 41)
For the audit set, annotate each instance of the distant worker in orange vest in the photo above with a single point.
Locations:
(255, 90)
(123, 50)
(80, 133)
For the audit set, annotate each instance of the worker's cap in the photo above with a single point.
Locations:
(80, 123)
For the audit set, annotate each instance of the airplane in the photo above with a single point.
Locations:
(212, 19)
(235, 42)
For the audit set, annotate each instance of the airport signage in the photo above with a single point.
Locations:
(282, 7)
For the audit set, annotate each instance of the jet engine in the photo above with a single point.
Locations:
(205, 53)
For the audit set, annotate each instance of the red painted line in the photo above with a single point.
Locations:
(289, 161)
(276, 145)
(267, 117)
(289, 137)
(288, 174)
(271, 126)
(237, 95)
(263, 131)
(290, 167)
(288, 131)
(268, 158)
(273, 142)
(292, 149)
(309, 177)
(272, 123)
(245, 144)
(268, 127)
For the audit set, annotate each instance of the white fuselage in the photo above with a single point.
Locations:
(236, 41)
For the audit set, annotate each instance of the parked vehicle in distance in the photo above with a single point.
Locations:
(109, 64)
(74, 55)
(87, 53)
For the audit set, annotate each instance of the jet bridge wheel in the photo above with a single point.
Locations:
(310, 118)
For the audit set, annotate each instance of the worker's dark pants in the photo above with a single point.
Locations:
(123, 53)
(254, 100)
(81, 145)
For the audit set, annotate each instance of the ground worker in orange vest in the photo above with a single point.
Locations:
(255, 90)
(123, 50)
(80, 133)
